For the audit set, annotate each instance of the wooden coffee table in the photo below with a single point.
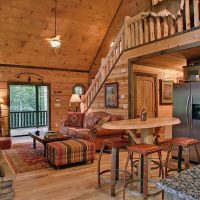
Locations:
(45, 141)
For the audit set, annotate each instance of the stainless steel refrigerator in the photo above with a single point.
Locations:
(186, 107)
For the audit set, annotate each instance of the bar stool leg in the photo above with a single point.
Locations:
(187, 157)
(180, 151)
(99, 166)
(113, 171)
(197, 151)
(125, 171)
(161, 164)
(161, 170)
(145, 180)
(167, 159)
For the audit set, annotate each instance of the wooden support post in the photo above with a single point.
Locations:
(187, 14)
(152, 29)
(196, 12)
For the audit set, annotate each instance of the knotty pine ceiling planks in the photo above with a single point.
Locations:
(25, 24)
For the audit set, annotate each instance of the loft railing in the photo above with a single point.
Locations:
(139, 30)
(28, 119)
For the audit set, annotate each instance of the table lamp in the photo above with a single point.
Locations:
(1, 102)
(1, 118)
(75, 99)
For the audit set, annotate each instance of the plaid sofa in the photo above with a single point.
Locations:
(70, 151)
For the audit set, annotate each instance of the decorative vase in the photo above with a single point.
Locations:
(143, 115)
(37, 132)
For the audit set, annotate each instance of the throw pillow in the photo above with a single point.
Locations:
(74, 119)
(93, 130)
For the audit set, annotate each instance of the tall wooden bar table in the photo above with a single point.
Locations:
(146, 127)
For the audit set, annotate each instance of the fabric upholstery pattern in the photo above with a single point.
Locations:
(93, 130)
(74, 119)
(92, 118)
(70, 151)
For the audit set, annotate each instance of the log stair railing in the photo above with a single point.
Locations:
(142, 29)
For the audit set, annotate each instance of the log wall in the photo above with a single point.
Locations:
(120, 75)
(59, 81)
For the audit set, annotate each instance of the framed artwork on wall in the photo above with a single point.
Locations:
(111, 95)
(166, 92)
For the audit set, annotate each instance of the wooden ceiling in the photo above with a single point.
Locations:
(25, 24)
(173, 60)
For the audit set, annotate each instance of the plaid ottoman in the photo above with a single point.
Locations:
(70, 151)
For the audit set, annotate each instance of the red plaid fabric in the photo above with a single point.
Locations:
(70, 151)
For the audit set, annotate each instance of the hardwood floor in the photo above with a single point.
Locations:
(75, 183)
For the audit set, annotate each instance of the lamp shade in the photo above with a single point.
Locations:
(1, 100)
(75, 99)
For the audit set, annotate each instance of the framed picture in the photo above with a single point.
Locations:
(78, 89)
(166, 92)
(111, 95)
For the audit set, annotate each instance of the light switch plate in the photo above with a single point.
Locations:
(57, 105)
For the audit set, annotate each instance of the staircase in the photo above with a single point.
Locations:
(143, 29)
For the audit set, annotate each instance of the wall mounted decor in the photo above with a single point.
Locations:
(166, 92)
(30, 77)
(78, 89)
(111, 95)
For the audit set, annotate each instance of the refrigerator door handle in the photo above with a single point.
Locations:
(191, 102)
(187, 113)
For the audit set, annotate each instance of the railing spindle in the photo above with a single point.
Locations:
(196, 12)
(141, 32)
(166, 27)
(146, 30)
(187, 14)
(152, 29)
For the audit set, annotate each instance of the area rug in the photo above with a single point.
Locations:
(23, 158)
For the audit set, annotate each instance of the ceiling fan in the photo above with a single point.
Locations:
(55, 41)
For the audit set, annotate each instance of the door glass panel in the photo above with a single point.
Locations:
(28, 108)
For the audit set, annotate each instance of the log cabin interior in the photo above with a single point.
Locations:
(90, 88)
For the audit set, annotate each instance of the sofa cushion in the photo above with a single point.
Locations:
(93, 130)
(74, 119)
(78, 133)
(92, 118)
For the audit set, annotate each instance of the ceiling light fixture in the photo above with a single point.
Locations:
(55, 41)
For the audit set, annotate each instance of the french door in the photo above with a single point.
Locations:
(29, 108)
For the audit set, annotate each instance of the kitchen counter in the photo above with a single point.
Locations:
(186, 185)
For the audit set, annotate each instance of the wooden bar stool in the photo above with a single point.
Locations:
(183, 143)
(144, 150)
(114, 145)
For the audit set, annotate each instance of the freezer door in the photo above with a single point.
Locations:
(181, 107)
(195, 115)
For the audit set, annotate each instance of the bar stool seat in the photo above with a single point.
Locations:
(144, 150)
(183, 143)
(115, 144)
